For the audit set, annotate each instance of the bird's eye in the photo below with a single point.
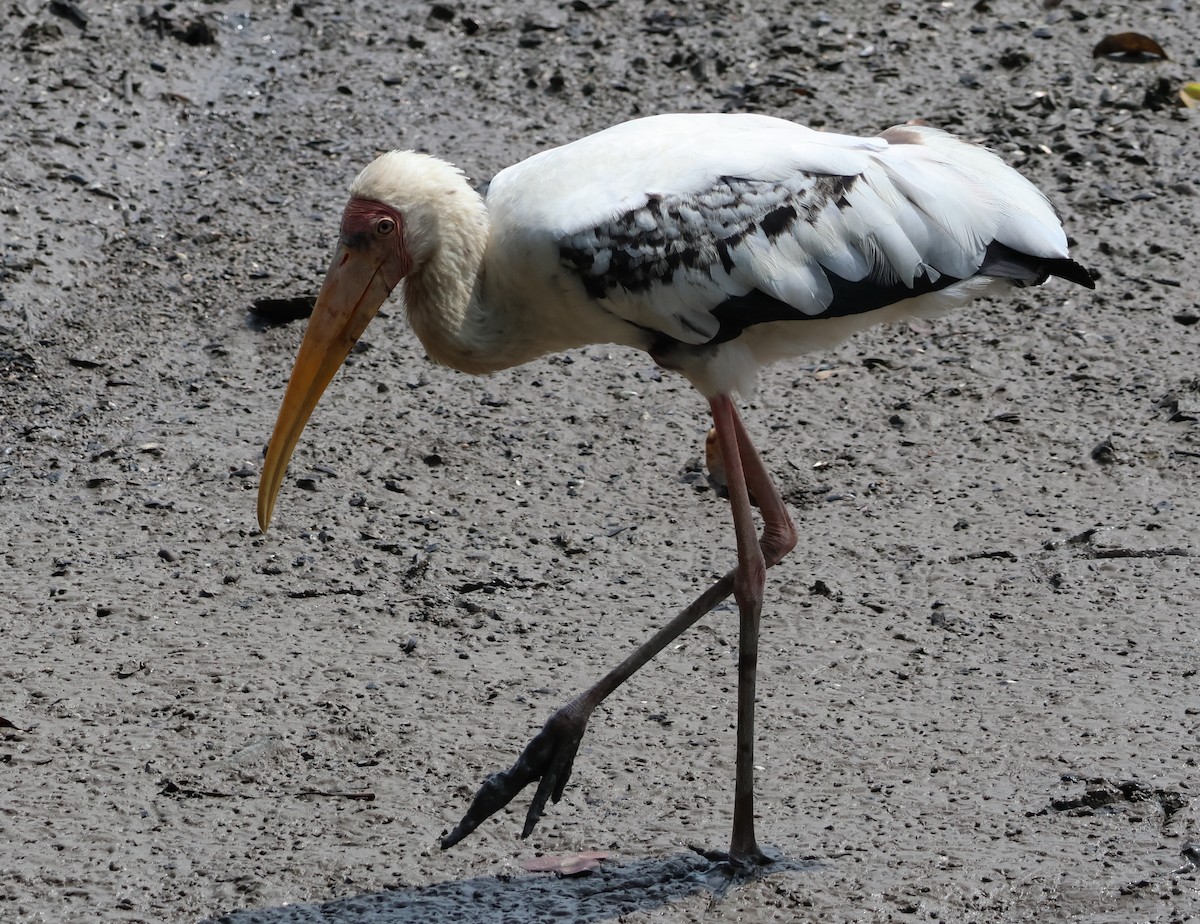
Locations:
(385, 226)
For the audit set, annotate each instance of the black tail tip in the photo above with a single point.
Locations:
(1071, 271)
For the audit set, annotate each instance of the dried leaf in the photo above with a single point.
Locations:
(1130, 46)
(569, 864)
(1189, 95)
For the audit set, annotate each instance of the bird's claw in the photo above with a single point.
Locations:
(736, 860)
(548, 758)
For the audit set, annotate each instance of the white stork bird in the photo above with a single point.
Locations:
(715, 243)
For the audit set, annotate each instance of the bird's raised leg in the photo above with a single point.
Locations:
(744, 474)
(549, 757)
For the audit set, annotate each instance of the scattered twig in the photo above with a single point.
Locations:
(363, 796)
(974, 556)
(1138, 553)
(171, 788)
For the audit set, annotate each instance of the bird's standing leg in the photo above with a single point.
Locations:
(744, 474)
(549, 757)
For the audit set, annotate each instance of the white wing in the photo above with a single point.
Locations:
(698, 226)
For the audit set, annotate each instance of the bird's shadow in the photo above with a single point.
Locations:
(602, 895)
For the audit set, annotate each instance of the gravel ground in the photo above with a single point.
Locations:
(979, 680)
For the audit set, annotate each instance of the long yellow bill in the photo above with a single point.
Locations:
(356, 285)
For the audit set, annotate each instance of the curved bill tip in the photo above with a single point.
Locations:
(304, 390)
(352, 293)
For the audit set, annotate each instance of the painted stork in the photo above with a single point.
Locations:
(715, 243)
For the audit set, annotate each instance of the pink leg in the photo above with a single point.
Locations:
(779, 532)
(744, 472)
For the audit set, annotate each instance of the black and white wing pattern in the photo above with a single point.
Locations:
(709, 263)
(708, 236)
(917, 214)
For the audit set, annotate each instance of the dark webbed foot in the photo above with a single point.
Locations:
(749, 861)
(548, 758)
(731, 869)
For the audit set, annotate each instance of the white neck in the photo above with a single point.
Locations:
(481, 294)
(446, 235)
(443, 294)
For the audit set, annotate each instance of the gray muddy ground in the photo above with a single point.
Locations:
(979, 690)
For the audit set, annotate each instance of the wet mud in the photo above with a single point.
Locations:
(978, 690)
